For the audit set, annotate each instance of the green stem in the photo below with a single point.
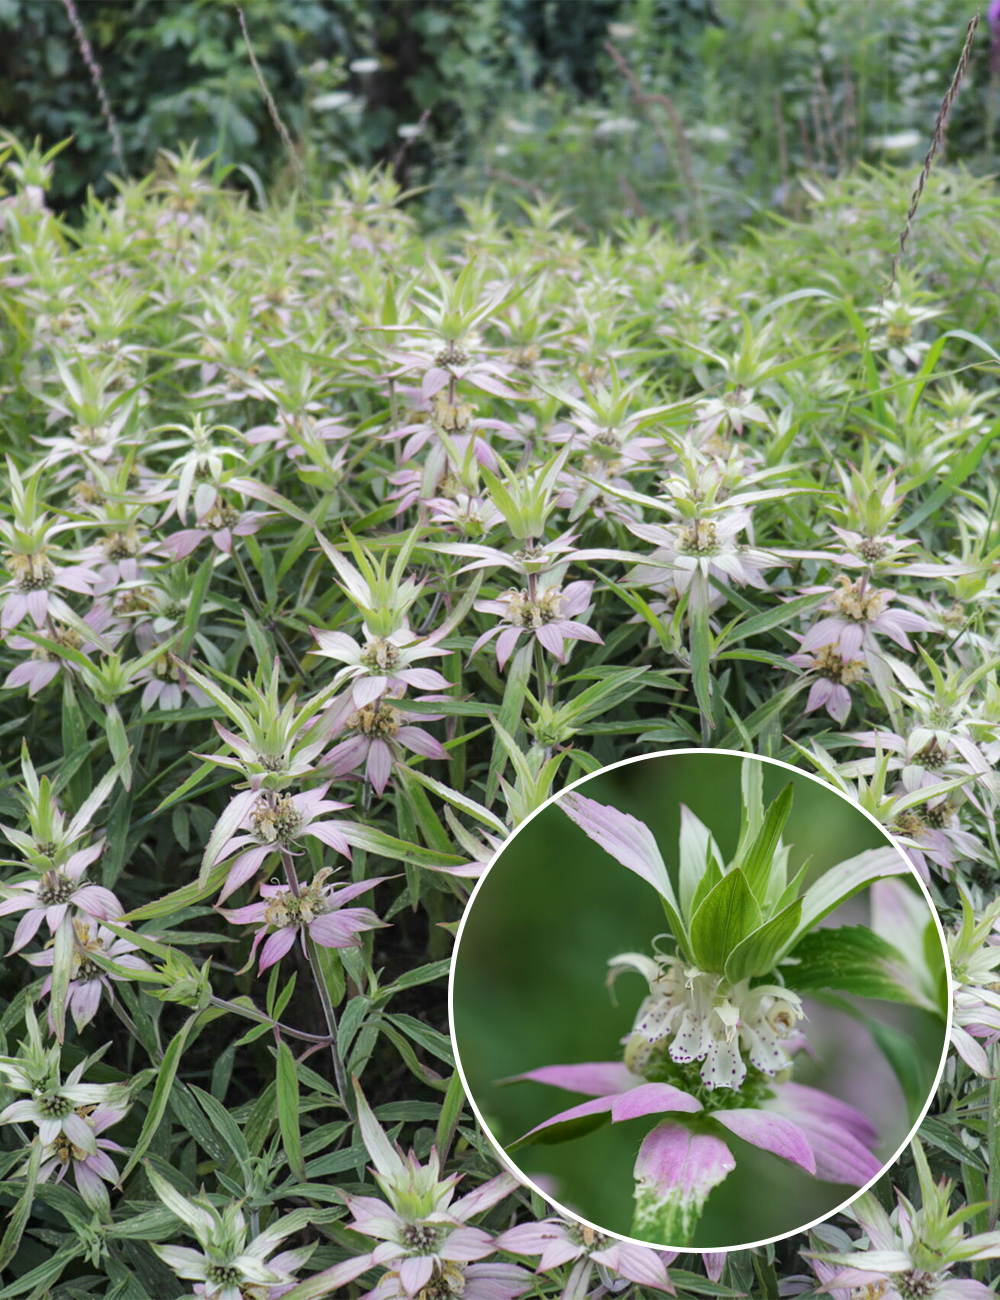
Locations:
(326, 1002)
(258, 609)
(259, 1018)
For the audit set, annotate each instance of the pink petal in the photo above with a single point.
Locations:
(639, 1264)
(276, 946)
(466, 1244)
(579, 632)
(676, 1169)
(421, 742)
(378, 768)
(84, 1002)
(819, 693)
(338, 929)
(506, 642)
(367, 689)
(415, 1273)
(651, 1099)
(344, 895)
(329, 834)
(38, 606)
(551, 638)
(97, 901)
(782, 1137)
(627, 839)
(27, 928)
(593, 1079)
(423, 679)
(243, 869)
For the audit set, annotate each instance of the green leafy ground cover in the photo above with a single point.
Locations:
(281, 484)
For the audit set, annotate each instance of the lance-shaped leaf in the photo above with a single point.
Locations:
(287, 1082)
(728, 915)
(752, 787)
(22, 1210)
(628, 840)
(385, 1157)
(845, 879)
(697, 848)
(854, 959)
(760, 951)
(576, 1121)
(675, 1171)
(756, 865)
(62, 970)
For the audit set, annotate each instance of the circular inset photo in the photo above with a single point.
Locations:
(700, 1000)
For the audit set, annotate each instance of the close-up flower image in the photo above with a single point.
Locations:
(499, 649)
(790, 1001)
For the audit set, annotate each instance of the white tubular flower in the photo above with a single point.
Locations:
(708, 1019)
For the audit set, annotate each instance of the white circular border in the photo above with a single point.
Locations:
(506, 1161)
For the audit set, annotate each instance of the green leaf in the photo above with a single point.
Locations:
(711, 875)
(752, 789)
(854, 959)
(114, 728)
(178, 899)
(564, 1131)
(287, 1093)
(224, 1124)
(161, 1094)
(22, 1210)
(759, 952)
(757, 864)
(62, 970)
(699, 862)
(387, 846)
(781, 616)
(846, 878)
(727, 916)
(604, 695)
(701, 651)
(199, 589)
(940, 1134)
(518, 672)
(451, 1113)
(961, 469)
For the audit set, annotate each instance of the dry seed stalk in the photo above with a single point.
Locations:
(272, 107)
(940, 123)
(94, 68)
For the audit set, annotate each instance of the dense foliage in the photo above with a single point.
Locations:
(618, 107)
(330, 552)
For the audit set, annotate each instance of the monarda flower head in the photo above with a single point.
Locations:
(712, 1049)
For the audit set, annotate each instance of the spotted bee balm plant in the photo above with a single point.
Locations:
(331, 546)
(712, 1051)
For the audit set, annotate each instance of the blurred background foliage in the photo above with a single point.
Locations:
(700, 112)
(529, 991)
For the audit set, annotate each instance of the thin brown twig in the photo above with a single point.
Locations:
(807, 152)
(408, 141)
(819, 133)
(271, 106)
(643, 99)
(631, 198)
(849, 114)
(836, 142)
(779, 121)
(94, 68)
(537, 194)
(940, 124)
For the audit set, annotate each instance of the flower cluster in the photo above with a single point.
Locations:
(330, 549)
